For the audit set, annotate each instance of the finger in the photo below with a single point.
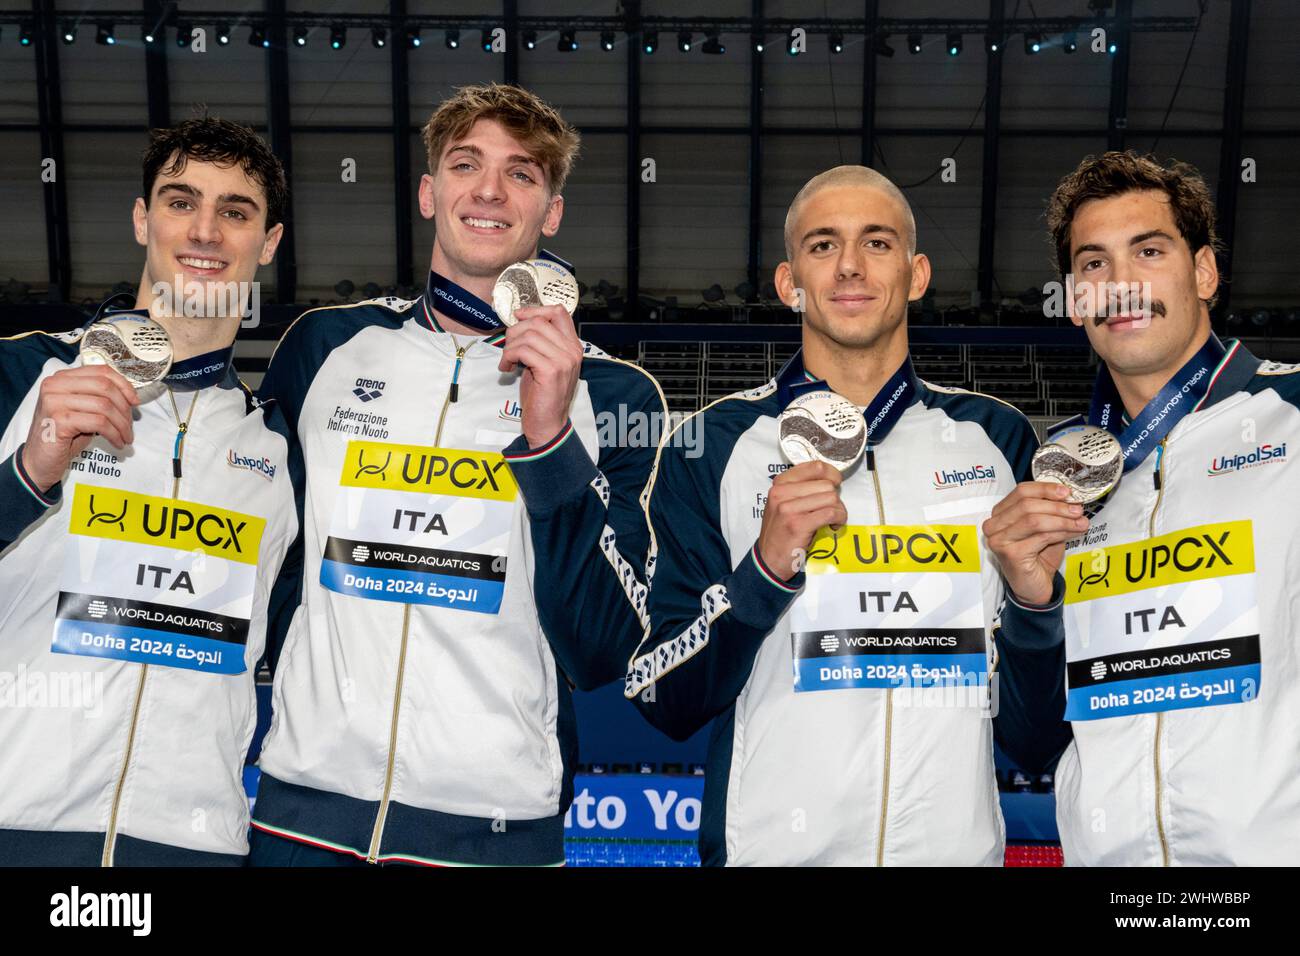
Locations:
(802, 489)
(1045, 490)
(810, 503)
(535, 359)
(88, 423)
(810, 470)
(832, 517)
(1037, 544)
(95, 378)
(546, 313)
(1046, 539)
(96, 405)
(545, 338)
(562, 321)
(125, 388)
(103, 389)
(1037, 524)
(1029, 506)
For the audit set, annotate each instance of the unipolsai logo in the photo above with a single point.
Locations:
(510, 411)
(960, 477)
(259, 466)
(1262, 455)
(368, 389)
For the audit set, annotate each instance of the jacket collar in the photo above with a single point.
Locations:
(427, 318)
(1238, 368)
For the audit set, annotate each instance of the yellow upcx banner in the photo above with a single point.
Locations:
(1192, 554)
(465, 473)
(873, 549)
(120, 515)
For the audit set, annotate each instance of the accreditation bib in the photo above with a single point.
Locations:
(1163, 623)
(890, 606)
(157, 581)
(421, 525)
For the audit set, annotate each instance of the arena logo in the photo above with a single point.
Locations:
(1262, 455)
(367, 389)
(960, 477)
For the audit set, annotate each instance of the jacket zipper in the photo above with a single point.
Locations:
(110, 837)
(889, 691)
(377, 835)
(1159, 480)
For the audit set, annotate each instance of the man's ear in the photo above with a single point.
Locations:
(1207, 273)
(920, 276)
(551, 224)
(785, 285)
(140, 221)
(426, 196)
(1071, 295)
(272, 242)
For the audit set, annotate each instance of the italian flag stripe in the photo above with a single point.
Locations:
(26, 482)
(340, 848)
(767, 573)
(550, 446)
(1223, 363)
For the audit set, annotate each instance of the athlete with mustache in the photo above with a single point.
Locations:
(1178, 667)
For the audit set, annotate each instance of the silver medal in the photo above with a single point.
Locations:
(533, 282)
(822, 426)
(137, 347)
(1086, 459)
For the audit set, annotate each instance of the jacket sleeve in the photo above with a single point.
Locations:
(22, 504)
(709, 615)
(1028, 722)
(589, 533)
(282, 392)
(286, 590)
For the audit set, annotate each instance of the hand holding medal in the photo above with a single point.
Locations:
(119, 356)
(822, 435)
(536, 299)
(533, 282)
(1028, 529)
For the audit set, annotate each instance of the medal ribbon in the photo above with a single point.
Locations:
(465, 307)
(1181, 395)
(885, 409)
(191, 374)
